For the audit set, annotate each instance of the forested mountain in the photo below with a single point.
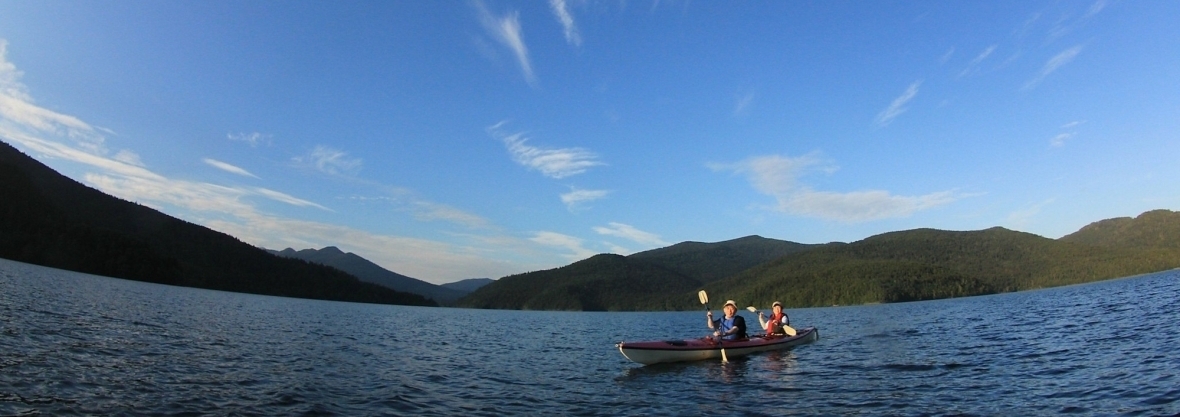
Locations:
(643, 281)
(708, 262)
(1156, 228)
(51, 220)
(601, 283)
(928, 264)
(368, 271)
(909, 265)
(469, 285)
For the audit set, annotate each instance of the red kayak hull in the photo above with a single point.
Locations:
(660, 351)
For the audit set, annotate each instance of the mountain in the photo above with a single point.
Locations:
(368, 271)
(1156, 228)
(708, 262)
(51, 220)
(469, 285)
(926, 264)
(601, 283)
(638, 282)
(920, 264)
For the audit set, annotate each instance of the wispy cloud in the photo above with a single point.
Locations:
(947, 56)
(577, 198)
(898, 106)
(1068, 133)
(254, 138)
(973, 66)
(779, 177)
(561, 10)
(577, 251)
(506, 30)
(743, 103)
(228, 168)
(1054, 63)
(330, 160)
(232, 210)
(553, 163)
(629, 232)
(431, 211)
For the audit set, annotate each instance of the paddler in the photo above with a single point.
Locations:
(730, 327)
(774, 326)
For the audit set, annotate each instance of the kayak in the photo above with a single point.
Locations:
(660, 351)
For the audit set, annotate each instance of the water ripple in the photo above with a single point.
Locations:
(73, 344)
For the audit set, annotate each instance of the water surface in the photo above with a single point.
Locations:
(76, 344)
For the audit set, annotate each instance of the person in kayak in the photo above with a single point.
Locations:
(730, 327)
(774, 326)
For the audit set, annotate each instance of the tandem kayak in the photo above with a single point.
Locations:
(661, 351)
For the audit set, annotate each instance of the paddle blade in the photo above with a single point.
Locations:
(751, 309)
(790, 331)
(723, 358)
(703, 296)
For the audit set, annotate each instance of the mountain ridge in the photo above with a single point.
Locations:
(367, 271)
(51, 220)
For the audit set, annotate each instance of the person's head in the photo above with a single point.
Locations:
(777, 306)
(730, 308)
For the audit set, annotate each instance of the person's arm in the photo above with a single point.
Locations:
(709, 318)
(761, 320)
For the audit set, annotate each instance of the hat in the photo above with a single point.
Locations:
(731, 303)
(776, 303)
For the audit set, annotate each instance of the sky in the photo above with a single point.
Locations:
(447, 140)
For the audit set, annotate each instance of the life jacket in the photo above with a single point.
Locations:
(724, 324)
(774, 325)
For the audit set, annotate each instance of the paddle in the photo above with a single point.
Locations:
(705, 300)
(786, 329)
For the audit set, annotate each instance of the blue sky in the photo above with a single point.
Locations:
(449, 139)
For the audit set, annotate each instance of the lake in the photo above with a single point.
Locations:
(77, 344)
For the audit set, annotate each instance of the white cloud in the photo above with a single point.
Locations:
(329, 160)
(576, 197)
(561, 10)
(230, 210)
(946, 56)
(629, 232)
(1054, 63)
(572, 244)
(430, 211)
(778, 177)
(129, 157)
(254, 139)
(897, 107)
(228, 168)
(974, 64)
(743, 103)
(553, 163)
(506, 30)
(1059, 140)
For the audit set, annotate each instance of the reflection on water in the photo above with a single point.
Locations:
(79, 344)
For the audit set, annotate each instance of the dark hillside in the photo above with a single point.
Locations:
(929, 264)
(1153, 229)
(51, 220)
(600, 283)
(708, 262)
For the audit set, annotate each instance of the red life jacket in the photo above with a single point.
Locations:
(775, 323)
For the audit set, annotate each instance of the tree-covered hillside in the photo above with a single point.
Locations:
(600, 283)
(1156, 228)
(930, 264)
(708, 262)
(48, 219)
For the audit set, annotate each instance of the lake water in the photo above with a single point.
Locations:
(76, 344)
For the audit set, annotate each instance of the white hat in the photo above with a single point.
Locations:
(730, 303)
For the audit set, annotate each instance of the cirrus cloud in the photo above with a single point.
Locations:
(778, 177)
